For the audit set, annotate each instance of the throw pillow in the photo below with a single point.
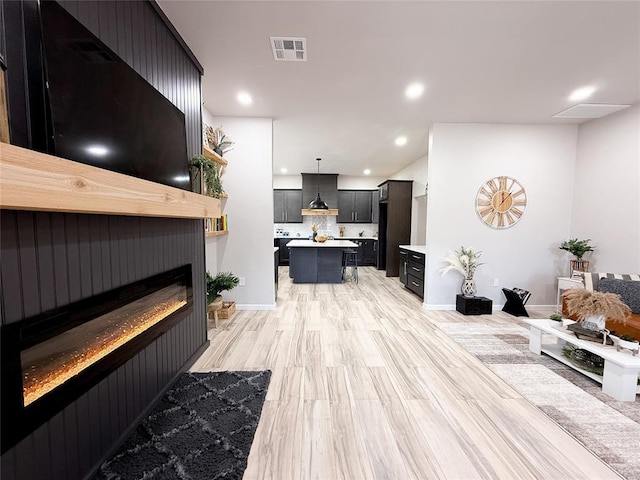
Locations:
(628, 290)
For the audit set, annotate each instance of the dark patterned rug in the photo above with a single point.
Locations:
(201, 429)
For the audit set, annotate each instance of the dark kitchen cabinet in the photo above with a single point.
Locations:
(283, 250)
(412, 270)
(394, 223)
(367, 250)
(287, 206)
(404, 254)
(354, 206)
(375, 207)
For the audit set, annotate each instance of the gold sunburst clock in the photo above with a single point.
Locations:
(501, 202)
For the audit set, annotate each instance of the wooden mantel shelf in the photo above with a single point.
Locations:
(31, 180)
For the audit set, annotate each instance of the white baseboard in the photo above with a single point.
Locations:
(495, 307)
(254, 306)
(438, 307)
(541, 307)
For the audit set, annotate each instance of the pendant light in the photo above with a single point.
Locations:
(318, 204)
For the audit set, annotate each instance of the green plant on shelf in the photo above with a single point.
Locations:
(555, 317)
(211, 175)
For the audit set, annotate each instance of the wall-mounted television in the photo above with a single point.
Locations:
(102, 112)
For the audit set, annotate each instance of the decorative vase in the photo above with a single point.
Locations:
(468, 288)
(594, 322)
(217, 150)
(315, 234)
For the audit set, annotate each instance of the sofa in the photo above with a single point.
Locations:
(625, 285)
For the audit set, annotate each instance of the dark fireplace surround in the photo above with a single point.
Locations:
(84, 341)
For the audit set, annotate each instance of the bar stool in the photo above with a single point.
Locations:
(350, 260)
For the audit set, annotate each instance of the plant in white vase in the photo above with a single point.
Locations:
(464, 261)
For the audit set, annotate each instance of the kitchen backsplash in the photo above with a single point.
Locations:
(326, 225)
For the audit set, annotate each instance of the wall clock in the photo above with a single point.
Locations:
(501, 202)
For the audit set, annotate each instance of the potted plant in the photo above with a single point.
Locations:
(577, 248)
(218, 140)
(207, 175)
(215, 286)
(464, 261)
(218, 284)
(593, 308)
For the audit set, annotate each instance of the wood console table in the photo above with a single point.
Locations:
(621, 369)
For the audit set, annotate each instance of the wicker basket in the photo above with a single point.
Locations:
(227, 310)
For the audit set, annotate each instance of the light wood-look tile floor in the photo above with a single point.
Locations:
(364, 386)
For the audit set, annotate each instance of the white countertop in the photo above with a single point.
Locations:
(327, 244)
(357, 238)
(415, 248)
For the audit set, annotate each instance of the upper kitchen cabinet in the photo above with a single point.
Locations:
(287, 206)
(354, 206)
(375, 209)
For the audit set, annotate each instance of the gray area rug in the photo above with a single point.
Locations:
(201, 429)
(609, 428)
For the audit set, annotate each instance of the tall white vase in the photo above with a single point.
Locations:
(468, 287)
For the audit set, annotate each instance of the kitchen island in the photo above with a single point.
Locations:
(316, 262)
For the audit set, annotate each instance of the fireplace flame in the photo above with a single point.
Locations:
(51, 363)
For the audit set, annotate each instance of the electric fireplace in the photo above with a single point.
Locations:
(51, 359)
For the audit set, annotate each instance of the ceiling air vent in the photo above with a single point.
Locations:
(289, 49)
(589, 110)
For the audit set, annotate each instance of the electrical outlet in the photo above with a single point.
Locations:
(496, 282)
(241, 281)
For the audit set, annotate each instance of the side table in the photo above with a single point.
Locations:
(473, 305)
(566, 283)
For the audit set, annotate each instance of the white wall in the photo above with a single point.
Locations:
(345, 182)
(417, 171)
(284, 182)
(606, 205)
(247, 250)
(351, 182)
(461, 159)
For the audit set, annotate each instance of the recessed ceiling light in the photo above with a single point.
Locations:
(367, 172)
(400, 141)
(244, 98)
(97, 150)
(283, 170)
(415, 90)
(581, 93)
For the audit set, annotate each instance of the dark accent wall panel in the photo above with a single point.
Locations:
(36, 274)
(51, 259)
(136, 32)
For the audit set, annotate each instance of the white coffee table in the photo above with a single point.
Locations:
(621, 369)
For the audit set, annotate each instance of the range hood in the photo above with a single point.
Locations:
(320, 211)
(321, 185)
